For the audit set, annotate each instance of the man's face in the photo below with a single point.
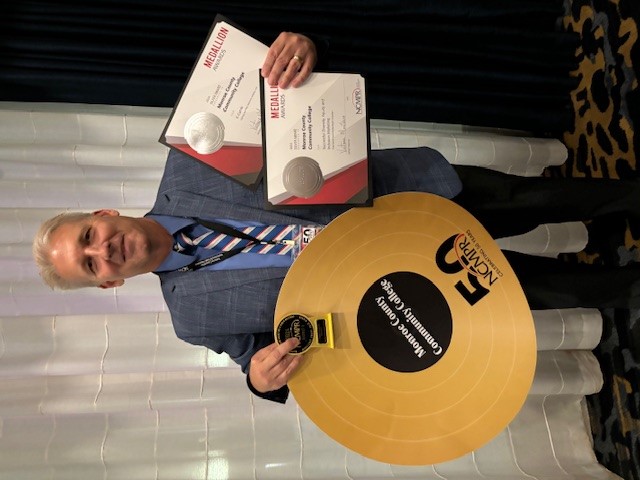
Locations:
(106, 248)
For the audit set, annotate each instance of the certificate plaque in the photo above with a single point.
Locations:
(316, 142)
(217, 118)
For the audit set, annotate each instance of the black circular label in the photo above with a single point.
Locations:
(404, 322)
(299, 326)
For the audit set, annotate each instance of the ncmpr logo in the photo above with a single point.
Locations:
(460, 252)
(357, 100)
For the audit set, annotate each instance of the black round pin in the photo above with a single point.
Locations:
(298, 326)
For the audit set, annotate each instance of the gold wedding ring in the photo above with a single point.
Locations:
(297, 57)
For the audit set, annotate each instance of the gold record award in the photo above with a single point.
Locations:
(434, 348)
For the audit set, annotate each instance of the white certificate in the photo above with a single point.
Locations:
(218, 117)
(316, 140)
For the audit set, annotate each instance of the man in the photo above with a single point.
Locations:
(231, 309)
(228, 306)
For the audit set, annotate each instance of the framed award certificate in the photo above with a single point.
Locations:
(316, 142)
(217, 118)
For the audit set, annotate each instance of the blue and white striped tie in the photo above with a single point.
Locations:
(197, 235)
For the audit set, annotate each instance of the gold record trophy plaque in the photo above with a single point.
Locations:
(434, 346)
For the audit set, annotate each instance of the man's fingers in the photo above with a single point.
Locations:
(293, 69)
(281, 67)
(293, 361)
(264, 352)
(275, 57)
(283, 370)
(273, 353)
(303, 74)
(271, 366)
(285, 347)
(278, 359)
(290, 60)
(270, 60)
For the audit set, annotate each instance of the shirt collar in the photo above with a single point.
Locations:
(170, 223)
(174, 260)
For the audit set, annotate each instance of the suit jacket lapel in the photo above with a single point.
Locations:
(203, 281)
(187, 204)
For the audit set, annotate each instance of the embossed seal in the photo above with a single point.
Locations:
(302, 177)
(204, 132)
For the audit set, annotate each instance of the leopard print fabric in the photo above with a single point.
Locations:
(604, 143)
(603, 138)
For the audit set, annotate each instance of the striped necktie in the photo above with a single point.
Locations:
(198, 236)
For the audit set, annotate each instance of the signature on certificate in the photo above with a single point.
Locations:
(256, 124)
(341, 136)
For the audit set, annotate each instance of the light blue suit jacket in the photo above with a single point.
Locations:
(232, 310)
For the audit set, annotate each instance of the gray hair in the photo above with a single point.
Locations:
(41, 250)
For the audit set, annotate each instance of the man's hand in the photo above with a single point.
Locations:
(290, 60)
(271, 367)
